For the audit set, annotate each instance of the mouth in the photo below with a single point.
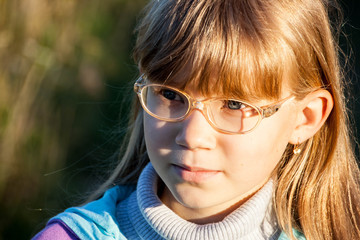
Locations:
(194, 174)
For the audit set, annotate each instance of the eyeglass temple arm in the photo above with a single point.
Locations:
(269, 110)
(265, 112)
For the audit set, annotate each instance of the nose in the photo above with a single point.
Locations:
(196, 132)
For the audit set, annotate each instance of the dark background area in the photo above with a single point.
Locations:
(350, 43)
(65, 82)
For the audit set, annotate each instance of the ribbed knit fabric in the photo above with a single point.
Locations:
(143, 216)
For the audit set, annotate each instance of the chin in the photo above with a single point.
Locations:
(194, 198)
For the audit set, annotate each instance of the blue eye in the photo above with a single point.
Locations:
(234, 105)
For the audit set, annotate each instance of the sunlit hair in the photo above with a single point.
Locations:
(251, 50)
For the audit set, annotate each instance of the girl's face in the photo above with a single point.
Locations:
(208, 174)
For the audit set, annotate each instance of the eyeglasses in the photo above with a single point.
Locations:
(230, 116)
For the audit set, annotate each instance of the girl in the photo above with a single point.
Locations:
(239, 130)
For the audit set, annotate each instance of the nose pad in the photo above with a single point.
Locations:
(198, 105)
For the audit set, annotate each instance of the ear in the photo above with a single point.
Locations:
(312, 112)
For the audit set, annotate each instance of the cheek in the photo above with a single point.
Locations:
(250, 161)
(256, 154)
(159, 135)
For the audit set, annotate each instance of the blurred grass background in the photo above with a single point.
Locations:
(65, 67)
(65, 79)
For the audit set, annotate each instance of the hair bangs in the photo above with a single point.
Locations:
(215, 48)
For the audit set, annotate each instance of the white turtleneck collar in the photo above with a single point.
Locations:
(143, 216)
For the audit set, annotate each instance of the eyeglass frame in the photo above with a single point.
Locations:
(264, 111)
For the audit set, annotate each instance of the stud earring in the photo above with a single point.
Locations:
(296, 149)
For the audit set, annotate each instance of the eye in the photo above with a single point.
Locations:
(171, 95)
(234, 105)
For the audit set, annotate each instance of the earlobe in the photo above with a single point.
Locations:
(313, 111)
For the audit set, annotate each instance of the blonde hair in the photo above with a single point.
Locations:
(250, 49)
